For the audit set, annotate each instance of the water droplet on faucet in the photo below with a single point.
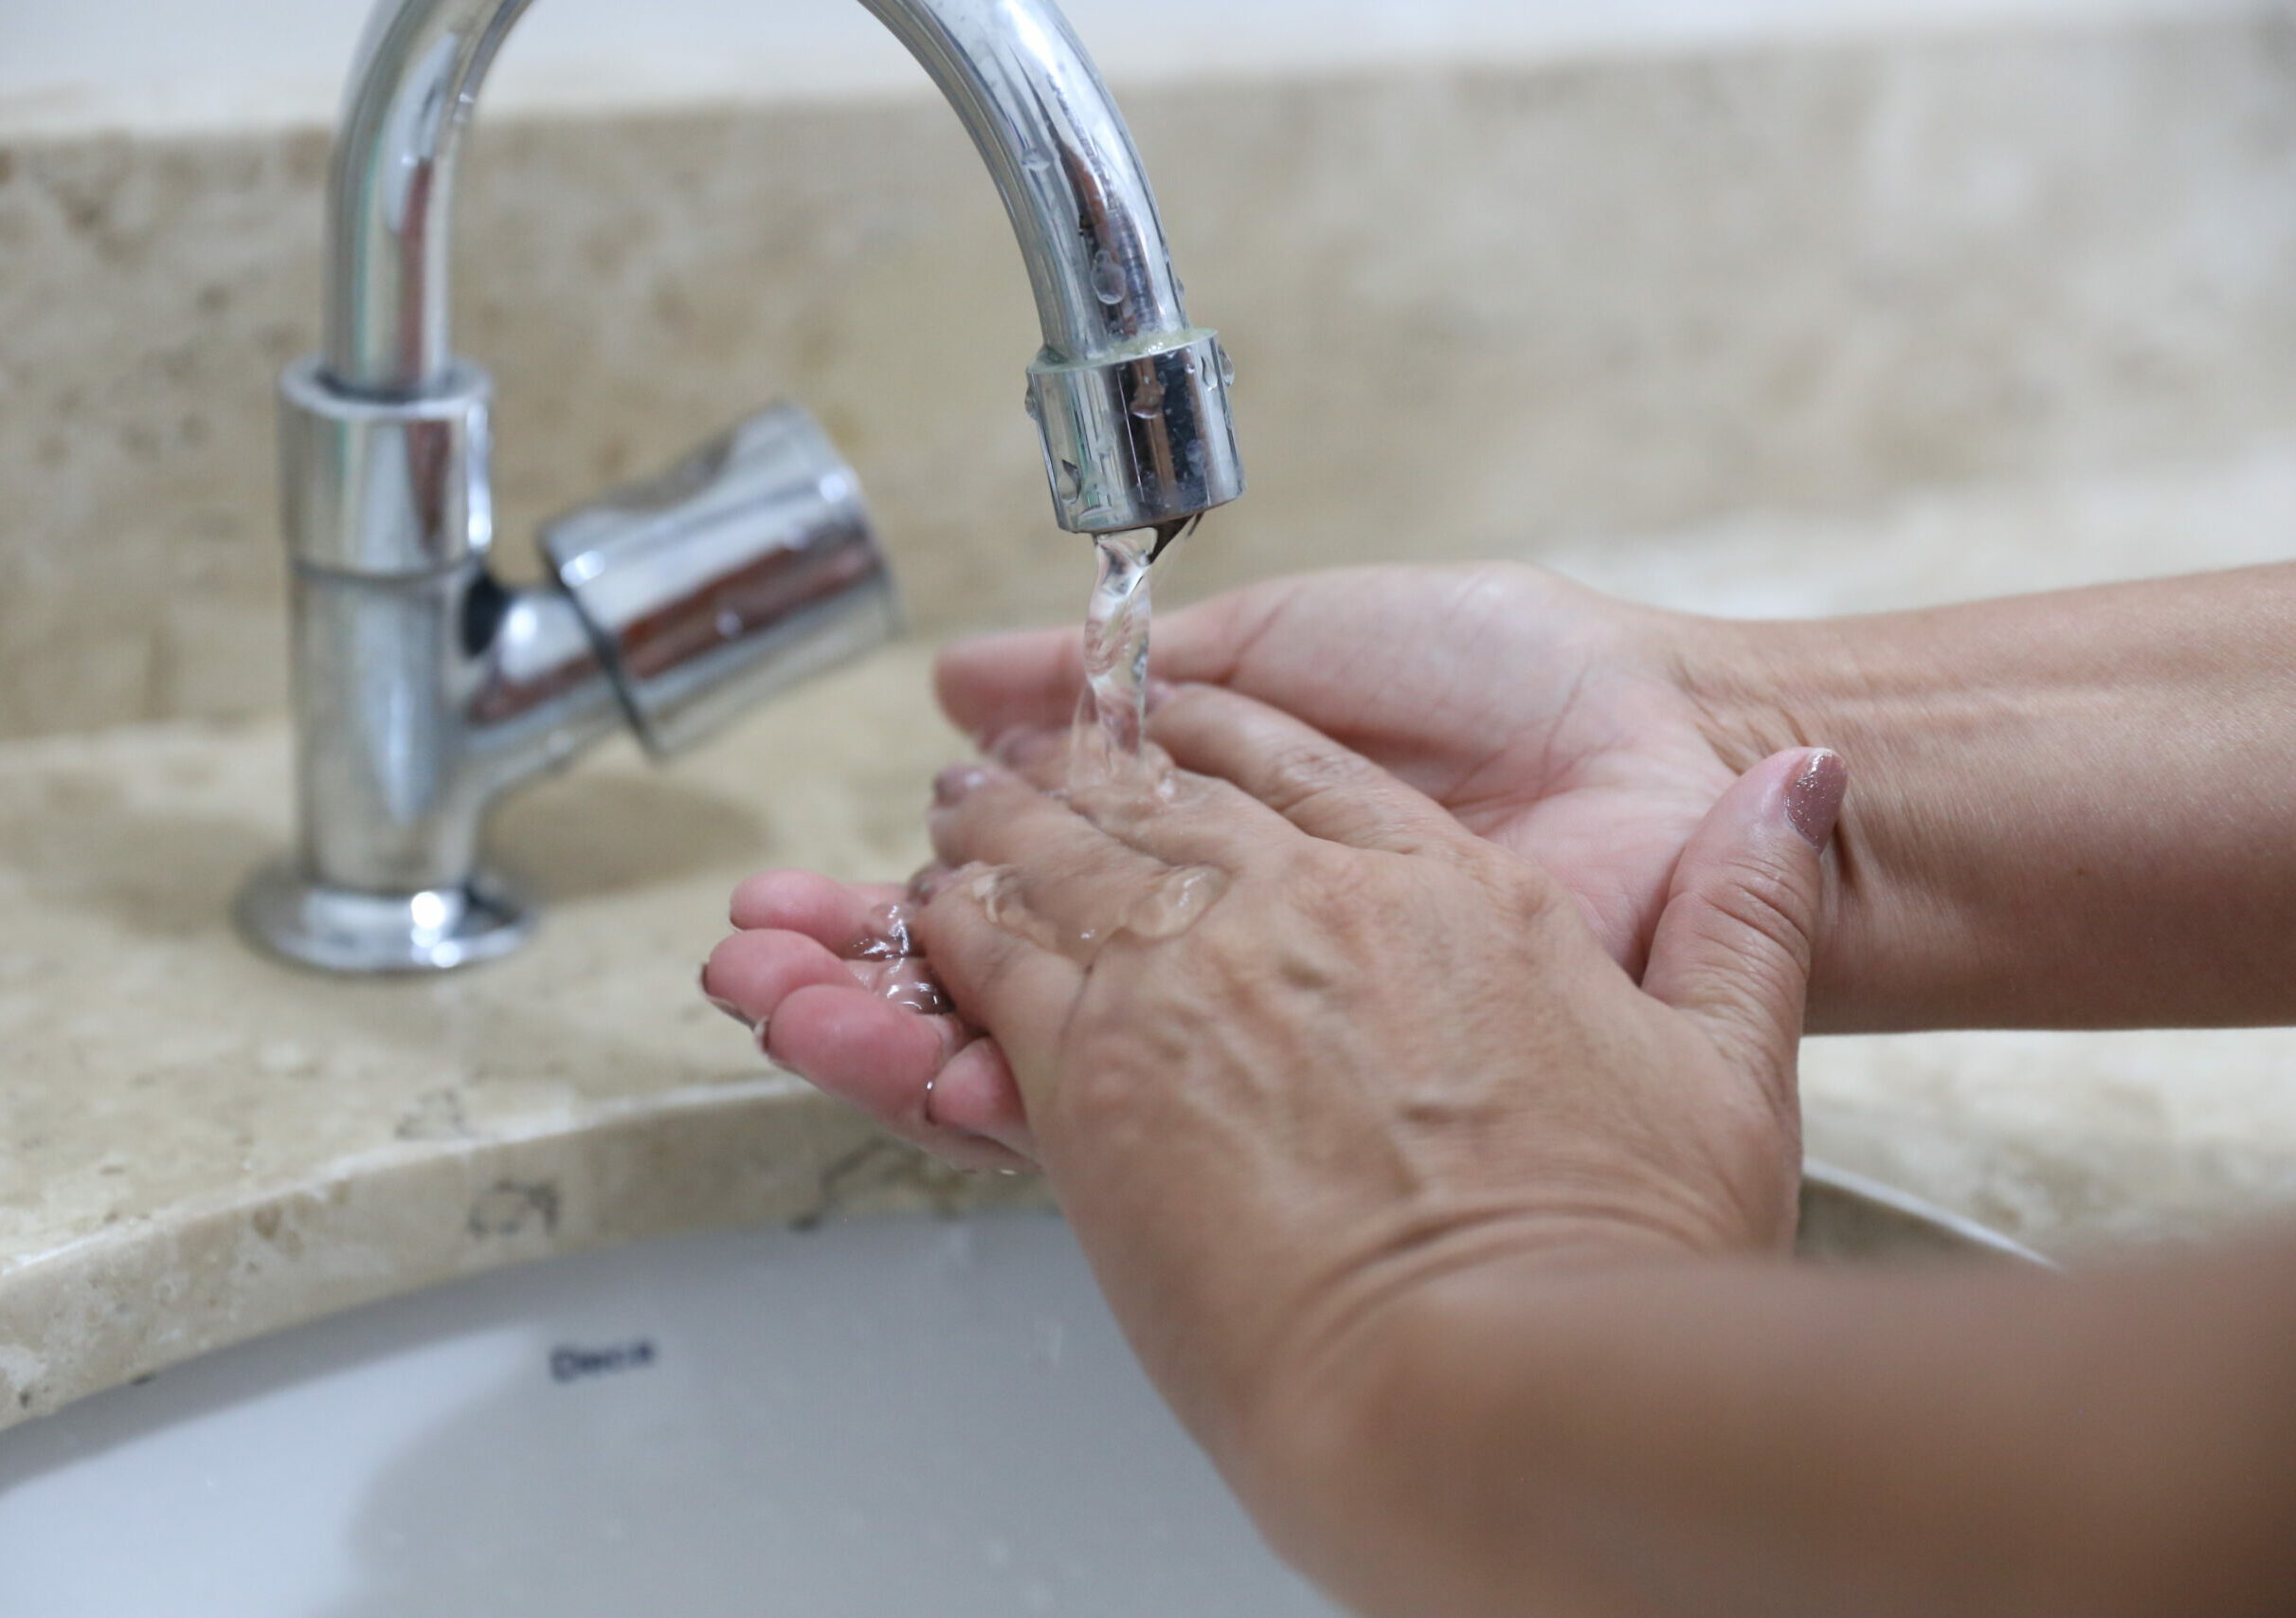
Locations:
(1227, 368)
(1108, 279)
(729, 624)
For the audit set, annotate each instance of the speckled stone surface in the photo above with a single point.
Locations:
(202, 1144)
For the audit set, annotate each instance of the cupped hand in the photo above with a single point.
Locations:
(1286, 1037)
(1553, 720)
(798, 972)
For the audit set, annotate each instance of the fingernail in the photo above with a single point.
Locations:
(953, 784)
(726, 1006)
(1814, 795)
(927, 882)
(1019, 749)
(1158, 692)
(734, 1012)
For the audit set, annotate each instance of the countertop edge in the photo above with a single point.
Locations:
(133, 1299)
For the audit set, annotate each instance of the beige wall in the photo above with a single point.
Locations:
(148, 64)
(1472, 313)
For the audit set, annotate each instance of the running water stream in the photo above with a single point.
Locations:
(1112, 710)
(1104, 750)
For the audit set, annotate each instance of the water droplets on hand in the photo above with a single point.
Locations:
(889, 964)
(1105, 755)
(889, 936)
(1176, 903)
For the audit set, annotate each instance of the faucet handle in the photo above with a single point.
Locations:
(743, 570)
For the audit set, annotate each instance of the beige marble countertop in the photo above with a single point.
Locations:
(202, 1145)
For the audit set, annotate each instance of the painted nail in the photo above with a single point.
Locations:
(1813, 797)
(927, 882)
(1019, 749)
(953, 784)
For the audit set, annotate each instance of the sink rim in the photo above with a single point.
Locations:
(831, 1164)
(1954, 1234)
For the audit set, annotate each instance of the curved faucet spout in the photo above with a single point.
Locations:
(425, 689)
(1130, 399)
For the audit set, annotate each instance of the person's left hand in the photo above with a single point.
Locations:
(1285, 1035)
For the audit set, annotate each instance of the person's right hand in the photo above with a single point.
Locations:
(1554, 722)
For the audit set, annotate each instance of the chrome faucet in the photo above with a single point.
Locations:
(424, 689)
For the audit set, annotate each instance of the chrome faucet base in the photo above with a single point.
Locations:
(337, 930)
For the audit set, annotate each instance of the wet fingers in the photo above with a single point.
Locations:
(888, 1063)
(836, 913)
(750, 974)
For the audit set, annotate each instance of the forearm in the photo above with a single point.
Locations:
(2068, 810)
(1775, 1442)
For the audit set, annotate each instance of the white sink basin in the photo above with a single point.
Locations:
(722, 1424)
(881, 1418)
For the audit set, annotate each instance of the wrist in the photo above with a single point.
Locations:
(1375, 1452)
(1763, 687)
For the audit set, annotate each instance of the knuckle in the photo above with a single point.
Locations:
(1328, 880)
(1750, 954)
(1764, 901)
(1521, 892)
(1301, 772)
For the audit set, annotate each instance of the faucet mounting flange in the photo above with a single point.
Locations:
(341, 930)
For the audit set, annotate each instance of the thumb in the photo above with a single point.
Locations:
(1735, 941)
